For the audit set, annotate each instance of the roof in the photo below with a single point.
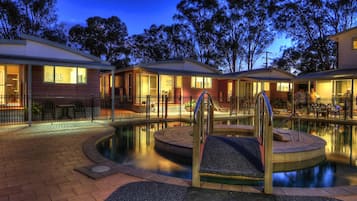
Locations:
(15, 59)
(348, 73)
(171, 61)
(335, 37)
(268, 74)
(169, 71)
(172, 69)
(88, 61)
(59, 46)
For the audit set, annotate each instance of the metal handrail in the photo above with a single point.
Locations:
(263, 128)
(199, 133)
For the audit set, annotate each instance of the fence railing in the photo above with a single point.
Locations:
(14, 109)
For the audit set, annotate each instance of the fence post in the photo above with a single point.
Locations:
(166, 106)
(191, 108)
(180, 109)
(148, 107)
(92, 108)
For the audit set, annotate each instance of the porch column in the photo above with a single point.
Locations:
(29, 94)
(158, 95)
(113, 94)
(237, 95)
(293, 98)
(308, 97)
(351, 98)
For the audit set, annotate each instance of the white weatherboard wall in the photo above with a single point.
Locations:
(347, 57)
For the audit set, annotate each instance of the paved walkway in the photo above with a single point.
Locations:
(37, 163)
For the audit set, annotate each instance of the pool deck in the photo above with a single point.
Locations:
(38, 162)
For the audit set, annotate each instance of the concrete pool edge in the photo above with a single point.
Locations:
(303, 150)
(90, 150)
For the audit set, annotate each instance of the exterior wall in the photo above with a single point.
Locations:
(222, 91)
(274, 94)
(195, 92)
(347, 57)
(41, 89)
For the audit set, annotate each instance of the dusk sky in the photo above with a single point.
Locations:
(136, 14)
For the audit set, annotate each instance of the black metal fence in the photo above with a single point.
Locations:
(14, 110)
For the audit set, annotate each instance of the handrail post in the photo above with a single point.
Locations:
(199, 133)
(196, 153)
(263, 127)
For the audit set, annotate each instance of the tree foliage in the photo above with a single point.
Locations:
(251, 28)
(202, 19)
(161, 43)
(228, 33)
(33, 17)
(309, 24)
(102, 37)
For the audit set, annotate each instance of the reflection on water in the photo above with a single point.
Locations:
(340, 140)
(133, 145)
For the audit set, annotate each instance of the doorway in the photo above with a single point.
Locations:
(10, 94)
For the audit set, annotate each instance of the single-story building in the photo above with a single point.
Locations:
(184, 79)
(38, 75)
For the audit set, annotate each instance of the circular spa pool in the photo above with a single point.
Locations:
(134, 145)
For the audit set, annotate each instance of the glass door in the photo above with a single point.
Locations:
(10, 85)
(2, 85)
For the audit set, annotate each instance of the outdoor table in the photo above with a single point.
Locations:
(65, 110)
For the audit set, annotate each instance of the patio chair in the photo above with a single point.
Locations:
(218, 107)
(335, 110)
(79, 110)
(48, 110)
(322, 110)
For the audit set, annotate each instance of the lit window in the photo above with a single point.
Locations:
(49, 74)
(283, 86)
(178, 81)
(201, 82)
(354, 43)
(65, 75)
(208, 83)
(82, 76)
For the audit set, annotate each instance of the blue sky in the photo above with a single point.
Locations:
(137, 15)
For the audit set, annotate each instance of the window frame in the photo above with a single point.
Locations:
(205, 81)
(354, 39)
(53, 80)
(279, 89)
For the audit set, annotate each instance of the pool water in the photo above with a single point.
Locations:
(134, 145)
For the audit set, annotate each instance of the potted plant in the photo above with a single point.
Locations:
(36, 111)
(190, 105)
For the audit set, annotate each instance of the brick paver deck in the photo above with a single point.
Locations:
(37, 163)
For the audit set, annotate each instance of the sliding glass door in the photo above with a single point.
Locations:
(10, 93)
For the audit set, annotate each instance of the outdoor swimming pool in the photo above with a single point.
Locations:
(134, 145)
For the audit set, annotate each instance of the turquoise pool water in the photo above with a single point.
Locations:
(134, 145)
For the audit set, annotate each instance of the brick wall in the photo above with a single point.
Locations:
(42, 89)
